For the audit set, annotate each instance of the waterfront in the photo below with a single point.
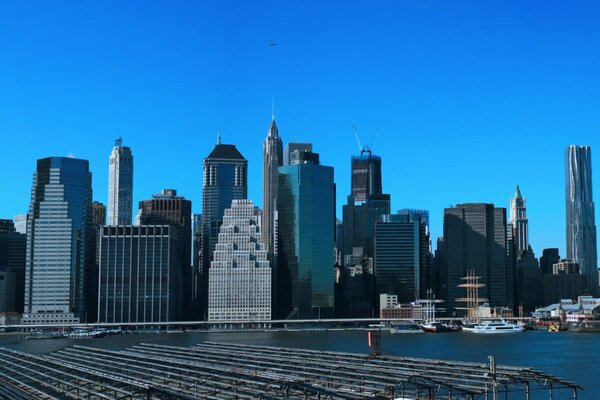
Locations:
(572, 356)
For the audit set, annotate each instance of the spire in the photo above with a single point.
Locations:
(273, 131)
(273, 110)
(518, 193)
(219, 136)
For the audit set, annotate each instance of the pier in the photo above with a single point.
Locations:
(211, 370)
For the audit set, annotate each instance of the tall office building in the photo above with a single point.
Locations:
(12, 267)
(293, 150)
(167, 208)
(140, 274)
(306, 206)
(581, 222)
(366, 176)
(60, 273)
(239, 275)
(120, 185)
(518, 222)
(475, 240)
(224, 179)
(402, 256)
(548, 259)
(272, 160)
(20, 221)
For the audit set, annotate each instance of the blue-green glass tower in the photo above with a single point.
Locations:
(306, 207)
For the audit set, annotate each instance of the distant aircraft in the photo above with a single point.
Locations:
(272, 44)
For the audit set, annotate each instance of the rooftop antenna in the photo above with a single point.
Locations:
(273, 109)
(219, 136)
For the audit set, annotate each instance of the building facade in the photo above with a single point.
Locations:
(59, 272)
(120, 185)
(581, 222)
(402, 257)
(140, 274)
(239, 275)
(519, 223)
(475, 240)
(12, 267)
(224, 179)
(306, 207)
(366, 176)
(548, 259)
(293, 149)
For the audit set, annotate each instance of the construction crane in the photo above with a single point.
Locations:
(361, 148)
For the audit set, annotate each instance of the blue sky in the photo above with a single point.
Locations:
(471, 97)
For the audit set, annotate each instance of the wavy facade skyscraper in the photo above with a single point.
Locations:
(581, 222)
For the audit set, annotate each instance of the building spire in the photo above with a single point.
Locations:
(219, 136)
(273, 131)
(273, 110)
(518, 193)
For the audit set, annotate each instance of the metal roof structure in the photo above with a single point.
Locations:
(228, 371)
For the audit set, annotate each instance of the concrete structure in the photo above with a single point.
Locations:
(292, 149)
(518, 220)
(366, 176)
(224, 179)
(60, 274)
(306, 207)
(120, 185)
(581, 223)
(239, 276)
(565, 267)
(140, 274)
(475, 239)
(402, 257)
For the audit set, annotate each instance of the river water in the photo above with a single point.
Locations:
(568, 355)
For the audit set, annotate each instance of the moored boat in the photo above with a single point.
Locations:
(494, 327)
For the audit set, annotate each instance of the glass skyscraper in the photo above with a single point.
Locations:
(120, 185)
(581, 222)
(59, 272)
(306, 206)
(366, 176)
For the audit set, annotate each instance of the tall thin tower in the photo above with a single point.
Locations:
(581, 225)
(518, 220)
(120, 184)
(272, 160)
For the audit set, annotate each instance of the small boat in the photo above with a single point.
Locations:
(437, 327)
(494, 327)
(405, 327)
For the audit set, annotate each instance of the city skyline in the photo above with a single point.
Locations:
(457, 99)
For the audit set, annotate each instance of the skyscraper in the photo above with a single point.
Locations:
(12, 266)
(366, 175)
(548, 259)
(306, 206)
(59, 272)
(518, 220)
(475, 239)
(120, 185)
(224, 179)
(272, 160)
(239, 275)
(140, 274)
(402, 256)
(581, 222)
(293, 149)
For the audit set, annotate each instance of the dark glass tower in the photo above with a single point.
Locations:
(224, 178)
(306, 204)
(366, 176)
(60, 276)
(12, 267)
(581, 223)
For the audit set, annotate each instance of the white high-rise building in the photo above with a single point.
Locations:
(518, 220)
(239, 287)
(120, 185)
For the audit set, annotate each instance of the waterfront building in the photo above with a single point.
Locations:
(548, 259)
(167, 208)
(59, 272)
(120, 184)
(292, 149)
(475, 239)
(12, 267)
(306, 207)
(140, 274)
(358, 285)
(581, 223)
(239, 276)
(366, 175)
(519, 223)
(20, 221)
(529, 292)
(224, 179)
(402, 256)
(564, 282)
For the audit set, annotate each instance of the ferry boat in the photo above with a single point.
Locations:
(494, 327)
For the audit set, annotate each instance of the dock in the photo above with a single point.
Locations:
(211, 370)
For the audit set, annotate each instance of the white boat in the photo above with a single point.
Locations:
(405, 327)
(494, 327)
